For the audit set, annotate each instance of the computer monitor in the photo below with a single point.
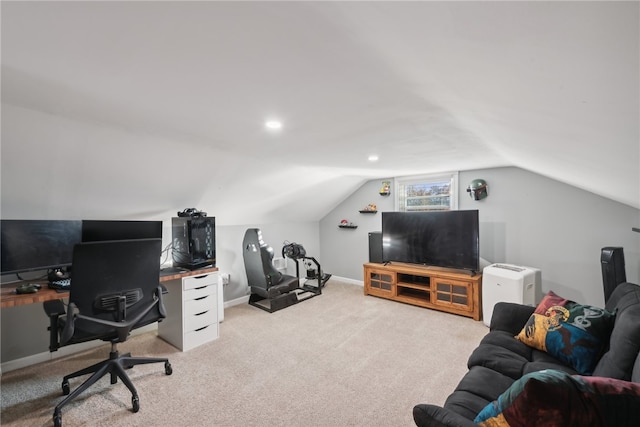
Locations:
(99, 230)
(32, 245)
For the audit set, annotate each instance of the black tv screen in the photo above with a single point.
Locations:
(443, 239)
(30, 245)
(102, 230)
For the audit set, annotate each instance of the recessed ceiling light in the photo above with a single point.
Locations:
(273, 124)
(373, 158)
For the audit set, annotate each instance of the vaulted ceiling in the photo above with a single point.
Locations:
(551, 87)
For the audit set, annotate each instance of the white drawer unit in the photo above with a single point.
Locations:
(192, 311)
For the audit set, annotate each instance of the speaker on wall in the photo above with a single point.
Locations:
(613, 269)
(375, 246)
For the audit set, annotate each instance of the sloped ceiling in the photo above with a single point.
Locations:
(182, 90)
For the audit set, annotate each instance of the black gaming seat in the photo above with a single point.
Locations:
(270, 289)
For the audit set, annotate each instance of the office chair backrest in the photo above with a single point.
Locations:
(258, 260)
(103, 272)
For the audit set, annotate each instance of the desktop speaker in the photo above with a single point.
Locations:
(194, 242)
(375, 247)
(613, 269)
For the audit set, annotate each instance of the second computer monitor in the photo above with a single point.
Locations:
(100, 230)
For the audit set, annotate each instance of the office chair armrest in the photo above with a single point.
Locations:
(160, 291)
(54, 309)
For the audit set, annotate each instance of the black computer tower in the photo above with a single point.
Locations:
(194, 241)
(375, 246)
(613, 269)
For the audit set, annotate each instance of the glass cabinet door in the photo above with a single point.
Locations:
(381, 280)
(453, 293)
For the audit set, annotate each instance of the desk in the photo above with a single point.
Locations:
(8, 297)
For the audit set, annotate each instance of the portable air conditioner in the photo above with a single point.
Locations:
(508, 283)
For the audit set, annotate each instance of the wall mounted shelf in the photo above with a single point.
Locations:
(348, 226)
(368, 211)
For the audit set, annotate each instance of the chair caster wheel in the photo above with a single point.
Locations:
(135, 401)
(65, 387)
(168, 369)
(57, 419)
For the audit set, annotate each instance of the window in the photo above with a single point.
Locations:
(427, 193)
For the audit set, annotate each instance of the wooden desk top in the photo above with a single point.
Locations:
(9, 298)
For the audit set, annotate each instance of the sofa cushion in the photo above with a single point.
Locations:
(498, 359)
(573, 333)
(635, 375)
(477, 388)
(541, 361)
(426, 415)
(542, 398)
(624, 344)
(507, 341)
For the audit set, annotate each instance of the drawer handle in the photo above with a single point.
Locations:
(200, 314)
(199, 277)
(201, 298)
(202, 287)
(204, 327)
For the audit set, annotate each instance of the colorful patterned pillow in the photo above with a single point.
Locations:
(572, 333)
(555, 398)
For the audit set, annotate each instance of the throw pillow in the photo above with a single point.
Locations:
(574, 334)
(555, 398)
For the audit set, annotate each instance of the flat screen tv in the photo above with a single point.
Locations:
(442, 239)
(101, 230)
(31, 245)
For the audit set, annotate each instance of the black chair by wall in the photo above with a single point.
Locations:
(270, 289)
(115, 288)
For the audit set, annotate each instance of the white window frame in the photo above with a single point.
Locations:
(402, 182)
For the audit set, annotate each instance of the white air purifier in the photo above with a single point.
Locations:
(508, 283)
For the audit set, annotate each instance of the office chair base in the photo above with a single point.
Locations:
(115, 367)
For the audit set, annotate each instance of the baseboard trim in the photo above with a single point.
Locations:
(347, 280)
(237, 301)
(33, 359)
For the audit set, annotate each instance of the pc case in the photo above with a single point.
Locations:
(508, 283)
(194, 242)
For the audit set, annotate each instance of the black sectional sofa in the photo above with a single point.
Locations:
(500, 360)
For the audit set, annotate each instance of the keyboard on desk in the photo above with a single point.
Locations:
(63, 284)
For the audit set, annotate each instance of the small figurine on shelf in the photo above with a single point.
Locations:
(370, 208)
(347, 224)
(386, 188)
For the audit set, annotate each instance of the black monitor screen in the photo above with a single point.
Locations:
(30, 245)
(97, 230)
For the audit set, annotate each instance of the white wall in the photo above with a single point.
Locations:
(527, 220)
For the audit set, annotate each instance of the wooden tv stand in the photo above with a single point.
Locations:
(441, 289)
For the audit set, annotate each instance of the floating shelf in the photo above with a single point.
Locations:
(368, 211)
(348, 226)
(385, 193)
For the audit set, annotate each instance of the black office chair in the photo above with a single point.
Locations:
(115, 288)
(270, 289)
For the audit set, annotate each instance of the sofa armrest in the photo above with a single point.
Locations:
(426, 415)
(510, 317)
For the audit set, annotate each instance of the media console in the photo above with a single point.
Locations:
(437, 288)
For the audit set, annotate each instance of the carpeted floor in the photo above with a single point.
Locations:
(339, 359)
